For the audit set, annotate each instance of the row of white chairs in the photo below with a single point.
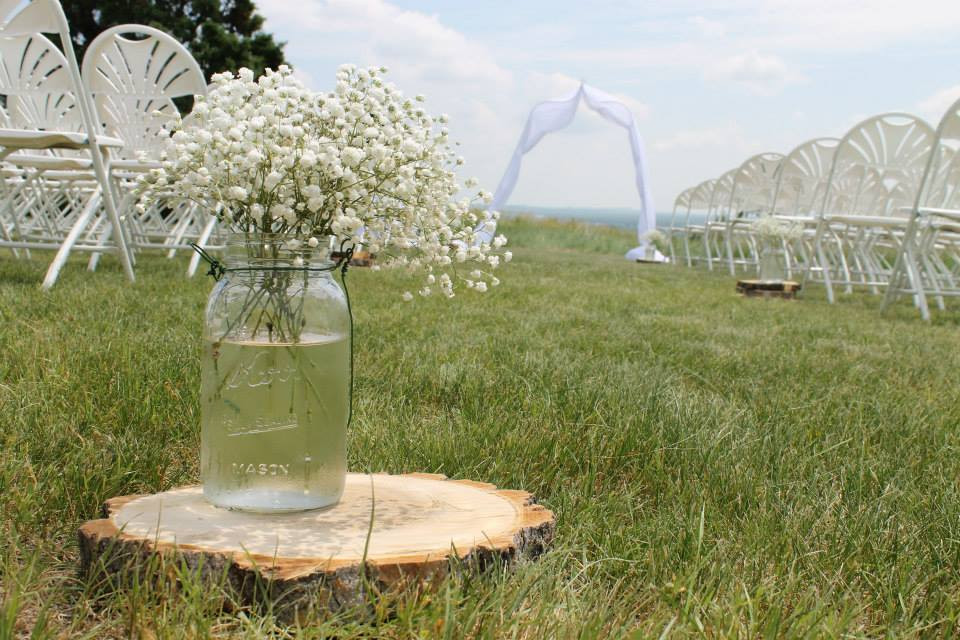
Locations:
(74, 139)
(877, 209)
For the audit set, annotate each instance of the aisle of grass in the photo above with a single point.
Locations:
(717, 465)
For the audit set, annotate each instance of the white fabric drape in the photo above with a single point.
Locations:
(553, 115)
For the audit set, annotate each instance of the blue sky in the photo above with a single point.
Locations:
(708, 85)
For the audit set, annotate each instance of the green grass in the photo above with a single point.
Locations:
(719, 466)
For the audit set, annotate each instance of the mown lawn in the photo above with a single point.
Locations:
(718, 466)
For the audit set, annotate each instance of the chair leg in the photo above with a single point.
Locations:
(53, 271)
(727, 238)
(706, 247)
(178, 232)
(824, 264)
(915, 276)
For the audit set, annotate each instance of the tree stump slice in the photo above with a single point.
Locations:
(786, 289)
(358, 259)
(423, 524)
(363, 259)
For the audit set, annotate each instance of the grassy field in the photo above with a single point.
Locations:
(719, 466)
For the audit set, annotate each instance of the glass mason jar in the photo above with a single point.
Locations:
(276, 376)
(773, 261)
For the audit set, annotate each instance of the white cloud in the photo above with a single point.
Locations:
(845, 25)
(304, 76)
(418, 44)
(761, 73)
(933, 107)
(708, 28)
(728, 136)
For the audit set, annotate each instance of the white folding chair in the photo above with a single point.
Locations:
(682, 201)
(698, 204)
(49, 186)
(718, 212)
(31, 17)
(751, 196)
(134, 73)
(801, 183)
(877, 167)
(928, 263)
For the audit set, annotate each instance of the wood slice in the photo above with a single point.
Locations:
(359, 258)
(768, 289)
(363, 259)
(422, 523)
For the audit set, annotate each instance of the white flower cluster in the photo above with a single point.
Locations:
(362, 163)
(656, 238)
(771, 228)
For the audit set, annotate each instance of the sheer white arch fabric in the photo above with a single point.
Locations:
(553, 115)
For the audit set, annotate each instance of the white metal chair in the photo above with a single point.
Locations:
(877, 166)
(682, 201)
(49, 181)
(928, 263)
(31, 17)
(751, 196)
(717, 215)
(698, 203)
(803, 179)
(134, 73)
(32, 78)
(801, 184)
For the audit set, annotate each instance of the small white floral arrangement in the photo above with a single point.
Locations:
(656, 238)
(359, 164)
(771, 228)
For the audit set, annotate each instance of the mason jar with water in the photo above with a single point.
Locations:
(276, 378)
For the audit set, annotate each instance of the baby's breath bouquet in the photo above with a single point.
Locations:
(294, 174)
(362, 163)
(774, 235)
(771, 229)
(656, 238)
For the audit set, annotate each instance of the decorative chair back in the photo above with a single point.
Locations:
(878, 164)
(682, 201)
(36, 82)
(19, 18)
(719, 204)
(754, 185)
(944, 189)
(134, 72)
(941, 180)
(30, 17)
(699, 199)
(803, 177)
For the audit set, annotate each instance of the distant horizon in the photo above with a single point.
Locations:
(620, 217)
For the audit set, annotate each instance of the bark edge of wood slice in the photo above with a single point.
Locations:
(768, 289)
(423, 526)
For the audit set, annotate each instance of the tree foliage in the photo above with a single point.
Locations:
(223, 35)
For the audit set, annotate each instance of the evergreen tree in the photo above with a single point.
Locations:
(223, 35)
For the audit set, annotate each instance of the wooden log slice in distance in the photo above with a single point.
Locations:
(421, 524)
(363, 259)
(359, 258)
(768, 289)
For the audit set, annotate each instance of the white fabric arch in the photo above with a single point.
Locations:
(553, 115)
